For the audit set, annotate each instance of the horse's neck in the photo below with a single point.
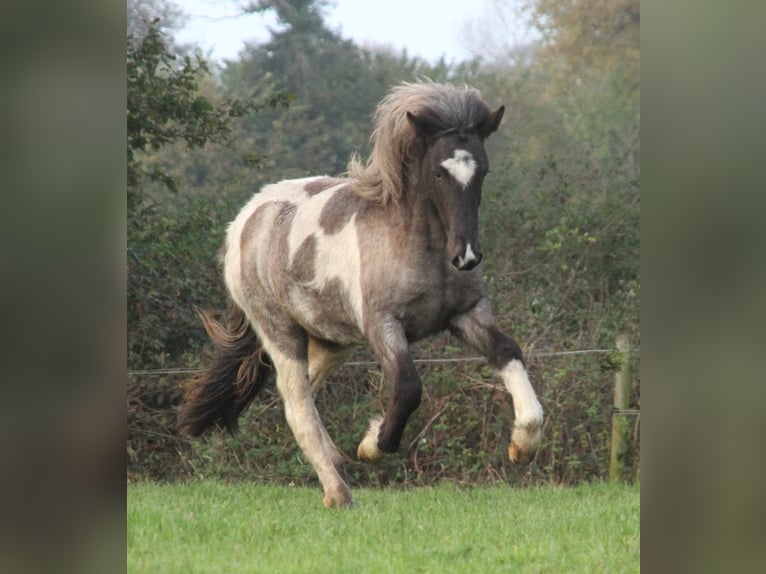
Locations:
(422, 219)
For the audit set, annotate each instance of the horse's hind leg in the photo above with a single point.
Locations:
(307, 427)
(324, 358)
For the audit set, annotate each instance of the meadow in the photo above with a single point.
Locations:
(211, 526)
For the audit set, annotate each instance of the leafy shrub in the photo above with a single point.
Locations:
(460, 432)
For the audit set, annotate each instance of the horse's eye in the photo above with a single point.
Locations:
(438, 174)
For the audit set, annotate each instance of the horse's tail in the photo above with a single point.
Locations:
(223, 391)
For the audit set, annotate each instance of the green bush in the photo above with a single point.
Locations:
(460, 432)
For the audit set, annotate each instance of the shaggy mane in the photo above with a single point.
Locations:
(394, 140)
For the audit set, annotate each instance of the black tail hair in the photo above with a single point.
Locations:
(224, 390)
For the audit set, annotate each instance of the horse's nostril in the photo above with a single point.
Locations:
(468, 263)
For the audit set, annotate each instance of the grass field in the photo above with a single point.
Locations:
(216, 527)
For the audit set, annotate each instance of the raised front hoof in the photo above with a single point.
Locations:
(524, 444)
(338, 499)
(368, 451)
(518, 456)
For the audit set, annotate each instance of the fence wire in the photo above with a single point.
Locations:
(532, 354)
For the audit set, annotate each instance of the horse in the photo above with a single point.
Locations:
(385, 256)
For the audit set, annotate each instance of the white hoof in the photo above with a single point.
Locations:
(525, 441)
(368, 449)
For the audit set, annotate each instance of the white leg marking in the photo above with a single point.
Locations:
(527, 408)
(368, 448)
(461, 166)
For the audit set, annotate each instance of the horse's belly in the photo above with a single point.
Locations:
(326, 313)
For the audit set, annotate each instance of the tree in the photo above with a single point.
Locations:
(142, 13)
(561, 210)
(565, 184)
(336, 85)
(165, 106)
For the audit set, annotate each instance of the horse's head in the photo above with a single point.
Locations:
(452, 172)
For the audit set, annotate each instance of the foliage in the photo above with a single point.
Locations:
(164, 105)
(143, 14)
(173, 269)
(460, 432)
(564, 199)
(336, 86)
(172, 244)
(211, 526)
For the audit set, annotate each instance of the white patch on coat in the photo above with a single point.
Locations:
(527, 408)
(289, 191)
(337, 255)
(306, 220)
(461, 166)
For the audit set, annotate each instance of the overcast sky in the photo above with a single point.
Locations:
(427, 28)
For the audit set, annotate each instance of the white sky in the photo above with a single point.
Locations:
(427, 28)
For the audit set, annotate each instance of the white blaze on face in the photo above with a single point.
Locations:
(461, 166)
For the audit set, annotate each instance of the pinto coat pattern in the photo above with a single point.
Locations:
(386, 256)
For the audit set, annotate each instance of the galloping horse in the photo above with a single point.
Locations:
(387, 256)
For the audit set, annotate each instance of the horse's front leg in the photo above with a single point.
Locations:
(390, 344)
(478, 328)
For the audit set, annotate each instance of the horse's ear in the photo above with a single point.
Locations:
(492, 122)
(422, 126)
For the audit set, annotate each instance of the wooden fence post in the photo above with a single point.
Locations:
(620, 423)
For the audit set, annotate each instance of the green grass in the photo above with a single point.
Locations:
(217, 527)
